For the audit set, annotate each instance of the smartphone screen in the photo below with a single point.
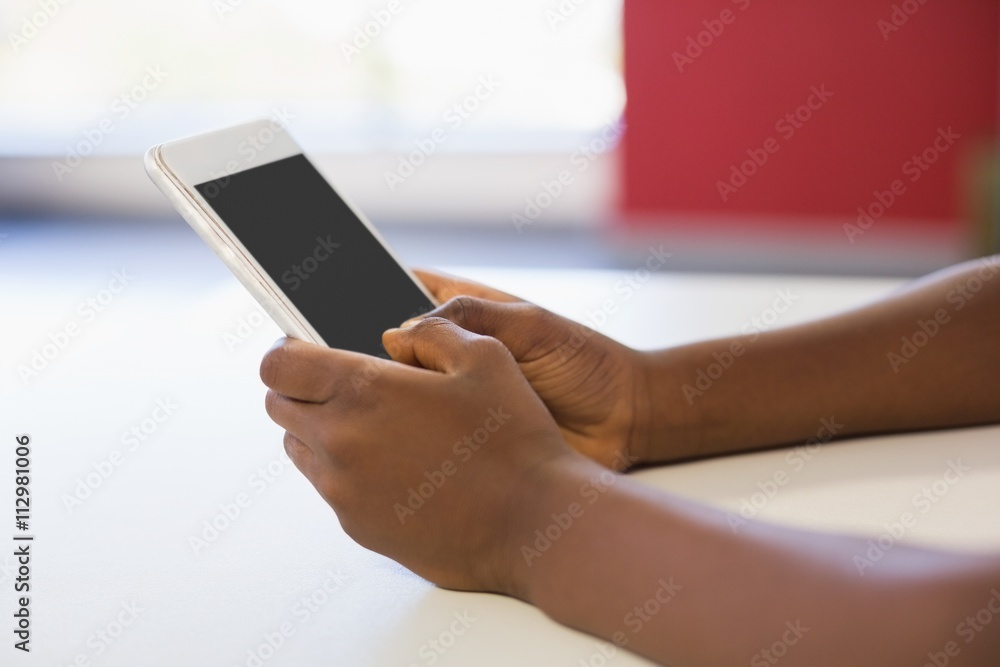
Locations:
(339, 276)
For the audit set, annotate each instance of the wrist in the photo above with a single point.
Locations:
(667, 425)
(544, 506)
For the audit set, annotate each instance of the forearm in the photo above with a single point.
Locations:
(669, 579)
(925, 357)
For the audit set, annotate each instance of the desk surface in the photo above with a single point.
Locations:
(117, 579)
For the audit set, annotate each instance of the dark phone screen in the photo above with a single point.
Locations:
(322, 256)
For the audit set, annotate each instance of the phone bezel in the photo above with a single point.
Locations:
(191, 161)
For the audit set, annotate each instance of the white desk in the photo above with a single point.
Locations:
(162, 338)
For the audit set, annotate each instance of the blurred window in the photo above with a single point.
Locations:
(362, 75)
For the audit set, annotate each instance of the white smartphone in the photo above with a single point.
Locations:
(310, 258)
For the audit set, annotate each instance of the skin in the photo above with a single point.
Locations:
(572, 410)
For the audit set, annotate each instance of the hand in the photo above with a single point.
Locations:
(440, 465)
(592, 385)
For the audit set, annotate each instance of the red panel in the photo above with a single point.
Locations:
(694, 111)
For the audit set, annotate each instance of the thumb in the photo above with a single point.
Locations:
(520, 326)
(435, 344)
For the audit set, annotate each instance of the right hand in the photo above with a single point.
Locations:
(592, 385)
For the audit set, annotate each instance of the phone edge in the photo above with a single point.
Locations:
(282, 314)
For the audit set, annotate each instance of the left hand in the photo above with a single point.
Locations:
(593, 386)
(438, 465)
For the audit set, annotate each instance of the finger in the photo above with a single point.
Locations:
(288, 413)
(312, 373)
(438, 345)
(445, 286)
(319, 428)
(521, 326)
(302, 456)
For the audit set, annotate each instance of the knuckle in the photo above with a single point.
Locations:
(489, 348)
(463, 309)
(429, 325)
(271, 403)
(292, 445)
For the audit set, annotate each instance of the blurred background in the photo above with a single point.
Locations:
(854, 137)
(815, 153)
